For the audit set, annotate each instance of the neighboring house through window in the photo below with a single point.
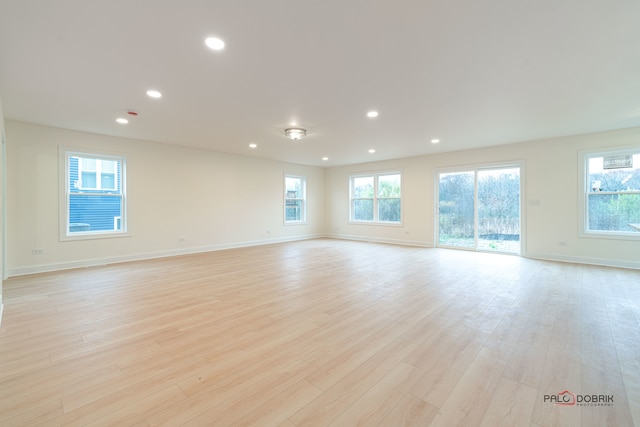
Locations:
(295, 199)
(611, 195)
(94, 202)
(96, 174)
(376, 197)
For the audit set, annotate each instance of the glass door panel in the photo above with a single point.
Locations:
(498, 227)
(456, 210)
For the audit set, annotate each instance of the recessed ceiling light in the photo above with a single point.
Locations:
(252, 145)
(372, 114)
(372, 151)
(122, 120)
(214, 43)
(325, 158)
(435, 141)
(154, 93)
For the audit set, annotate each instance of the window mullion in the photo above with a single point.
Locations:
(375, 198)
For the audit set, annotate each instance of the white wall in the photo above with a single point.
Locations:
(212, 200)
(2, 206)
(551, 198)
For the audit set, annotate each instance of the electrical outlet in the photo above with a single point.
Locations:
(37, 251)
(563, 244)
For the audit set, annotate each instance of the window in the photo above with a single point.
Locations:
(94, 195)
(612, 194)
(376, 198)
(295, 199)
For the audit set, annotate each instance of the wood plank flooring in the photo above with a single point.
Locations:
(322, 333)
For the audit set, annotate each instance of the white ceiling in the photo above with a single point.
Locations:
(471, 73)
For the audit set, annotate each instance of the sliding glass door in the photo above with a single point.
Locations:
(479, 209)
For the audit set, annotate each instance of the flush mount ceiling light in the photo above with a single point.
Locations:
(152, 93)
(295, 133)
(372, 114)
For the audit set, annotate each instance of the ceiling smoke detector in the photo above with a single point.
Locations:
(295, 133)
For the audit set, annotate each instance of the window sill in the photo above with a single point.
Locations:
(93, 236)
(383, 223)
(609, 235)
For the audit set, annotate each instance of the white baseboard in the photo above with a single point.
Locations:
(44, 268)
(369, 239)
(605, 262)
(186, 251)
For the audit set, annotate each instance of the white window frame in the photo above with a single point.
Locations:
(302, 198)
(376, 176)
(585, 189)
(64, 156)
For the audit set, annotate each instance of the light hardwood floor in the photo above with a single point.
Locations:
(321, 333)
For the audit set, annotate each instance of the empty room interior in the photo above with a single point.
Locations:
(319, 213)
